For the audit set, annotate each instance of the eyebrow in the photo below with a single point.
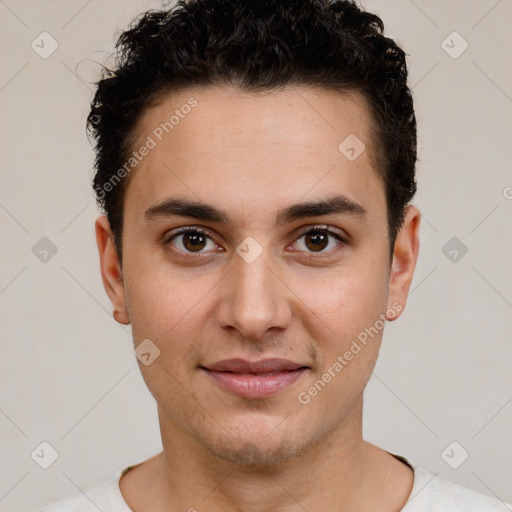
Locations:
(339, 204)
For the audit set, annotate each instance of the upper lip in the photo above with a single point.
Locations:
(239, 365)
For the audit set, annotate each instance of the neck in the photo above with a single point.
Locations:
(340, 472)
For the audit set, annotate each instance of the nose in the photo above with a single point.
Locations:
(254, 299)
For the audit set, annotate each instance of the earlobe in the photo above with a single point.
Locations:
(405, 255)
(111, 269)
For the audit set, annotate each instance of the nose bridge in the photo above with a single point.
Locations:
(255, 300)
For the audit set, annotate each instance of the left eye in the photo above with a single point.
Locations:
(318, 239)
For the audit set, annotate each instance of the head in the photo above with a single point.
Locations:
(250, 122)
(254, 46)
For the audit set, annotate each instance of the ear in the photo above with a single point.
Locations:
(111, 274)
(405, 255)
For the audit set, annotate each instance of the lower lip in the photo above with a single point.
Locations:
(247, 385)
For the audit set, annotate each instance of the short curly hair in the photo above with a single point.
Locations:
(256, 46)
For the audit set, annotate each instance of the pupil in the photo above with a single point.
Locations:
(317, 238)
(194, 241)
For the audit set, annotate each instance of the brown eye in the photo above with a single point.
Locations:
(316, 240)
(191, 240)
(319, 240)
(194, 241)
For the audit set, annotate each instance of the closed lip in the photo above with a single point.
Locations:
(239, 365)
(255, 379)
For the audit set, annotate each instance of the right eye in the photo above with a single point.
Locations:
(190, 240)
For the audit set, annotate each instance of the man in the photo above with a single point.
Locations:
(255, 161)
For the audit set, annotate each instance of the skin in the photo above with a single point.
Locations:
(251, 156)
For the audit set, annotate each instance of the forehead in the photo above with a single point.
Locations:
(221, 143)
(288, 116)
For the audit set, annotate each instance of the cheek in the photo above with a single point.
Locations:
(348, 339)
(173, 311)
(345, 300)
(159, 297)
(169, 313)
(344, 320)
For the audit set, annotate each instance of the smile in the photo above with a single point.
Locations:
(255, 379)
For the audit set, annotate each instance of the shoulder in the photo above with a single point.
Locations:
(105, 496)
(431, 493)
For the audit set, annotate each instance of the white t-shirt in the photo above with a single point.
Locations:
(429, 494)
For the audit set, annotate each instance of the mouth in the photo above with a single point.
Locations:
(255, 379)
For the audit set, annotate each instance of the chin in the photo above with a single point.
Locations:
(255, 455)
(257, 449)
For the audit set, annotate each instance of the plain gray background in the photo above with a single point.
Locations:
(68, 375)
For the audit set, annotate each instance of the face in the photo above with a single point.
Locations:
(256, 263)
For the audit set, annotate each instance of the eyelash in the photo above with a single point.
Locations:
(314, 229)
